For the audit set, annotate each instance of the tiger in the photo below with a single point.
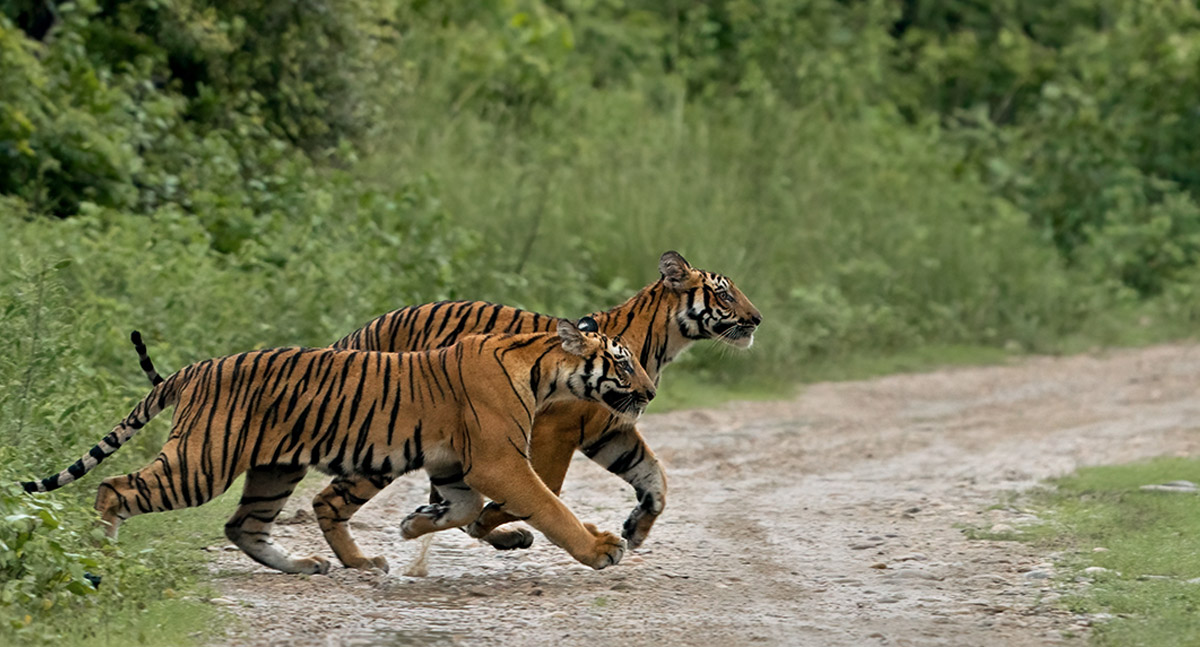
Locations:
(662, 320)
(464, 413)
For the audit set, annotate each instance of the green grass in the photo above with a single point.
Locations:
(154, 584)
(1154, 534)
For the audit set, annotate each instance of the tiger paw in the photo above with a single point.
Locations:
(510, 539)
(312, 565)
(637, 527)
(607, 551)
(368, 563)
(423, 520)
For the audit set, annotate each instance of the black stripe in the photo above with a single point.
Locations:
(446, 480)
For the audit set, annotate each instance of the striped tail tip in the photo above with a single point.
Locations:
(38, 486)
(143, 359)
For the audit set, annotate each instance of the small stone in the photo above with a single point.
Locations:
(223, 602)
(915, 574)
(911, 557)
(1099, 549)
(877, 635)
(865, 545)
(621, 586)
(987, 577)
(1038, 575)
(1096, 570)
(879, 565)
(1002, 529)
(888, 599)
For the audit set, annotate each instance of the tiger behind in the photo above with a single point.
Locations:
(685, 305)
(658, 323)
(463, 413)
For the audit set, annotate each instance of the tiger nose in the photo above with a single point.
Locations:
(649, 394)
(756, 318)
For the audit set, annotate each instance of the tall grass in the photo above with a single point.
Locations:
(852, 236)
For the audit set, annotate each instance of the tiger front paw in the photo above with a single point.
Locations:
(368, 563)
(641, 519)
(607, 551)
(637, 527)
(312, 565)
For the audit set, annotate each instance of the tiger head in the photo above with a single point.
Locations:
(608, 373)
(712, 306)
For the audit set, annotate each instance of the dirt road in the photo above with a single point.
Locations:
(832, 519)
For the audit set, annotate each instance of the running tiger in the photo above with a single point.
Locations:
(659, 322)
(464, 413)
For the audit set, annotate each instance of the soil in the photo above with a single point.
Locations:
(837, 518)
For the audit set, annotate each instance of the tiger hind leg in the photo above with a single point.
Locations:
(458, 506)
(151, 489)
(333, 508)
(266, 491)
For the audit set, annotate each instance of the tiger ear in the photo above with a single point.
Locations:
(675, 269)
(572, 337)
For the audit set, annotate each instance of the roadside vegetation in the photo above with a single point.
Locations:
(1127, 556)
(895, 185)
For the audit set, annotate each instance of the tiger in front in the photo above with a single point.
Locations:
(463, 413)
(662, 320)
